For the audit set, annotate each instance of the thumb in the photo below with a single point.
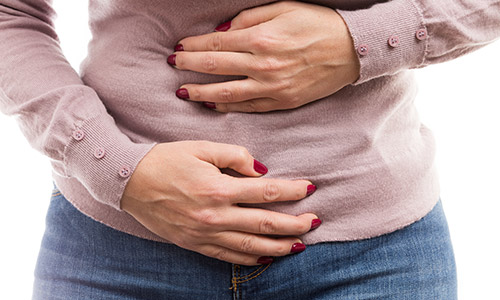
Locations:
(231, 156)
(254, 16)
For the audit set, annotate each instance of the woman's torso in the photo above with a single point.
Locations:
(364, 147)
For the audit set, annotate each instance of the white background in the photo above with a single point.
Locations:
(458, 100)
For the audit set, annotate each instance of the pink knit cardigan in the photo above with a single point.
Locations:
(364, 146)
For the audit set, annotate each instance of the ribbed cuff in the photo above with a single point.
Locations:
(102, 158)
(388, 38)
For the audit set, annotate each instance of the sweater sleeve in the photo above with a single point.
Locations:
(405, 34)
(58, 114)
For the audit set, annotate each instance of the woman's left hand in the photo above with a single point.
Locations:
(291, 52)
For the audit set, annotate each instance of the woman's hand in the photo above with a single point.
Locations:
(292, 53)
(178, 192)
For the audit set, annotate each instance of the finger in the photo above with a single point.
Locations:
(229, 255)
(220, 63)
(258, 244)
(263, 190)
(224, 92)
(254, 16)
(265, 222)
(251, 106)
(231, 156)
(235, 41)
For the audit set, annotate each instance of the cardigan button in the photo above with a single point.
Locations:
(421, 34)
(393, 41)
(363, 50)
(99, 153)
(125, 172)
(78, 134)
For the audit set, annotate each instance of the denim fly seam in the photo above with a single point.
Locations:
(55, 192)
(238, 279)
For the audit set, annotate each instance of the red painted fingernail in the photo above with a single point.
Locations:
(315, 223)
(210, 105)
(171, 59)
(264, 260)
(182, 93)
(179, 47)
(298, 247)
(310, 189)
(259, 167)
(223, 26)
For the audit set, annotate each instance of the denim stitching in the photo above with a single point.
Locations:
(234, 284)
(253, 277)
(241, 279)
(239, 269)
(240, 291)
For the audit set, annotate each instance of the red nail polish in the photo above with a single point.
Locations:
(179, 47)
(224, 26)
(171, 59)
(264, 260)
(310, 189)
(182, 93)
(315, 223)
(298, 247)
(210, 105)
(259, 167)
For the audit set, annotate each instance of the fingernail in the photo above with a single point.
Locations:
(179, 47)
(264, 260)
(171, 59)
(310, 189)
(182, 93)
(223, 26)
(315, 223)
(210, 105)
(298, 247)
(259, 167)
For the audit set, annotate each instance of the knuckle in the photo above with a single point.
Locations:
(295, 101)
(220, 254)
(243, 15)
(271, 191)
(248, 261)
(270, 64)
(251, 106)
(284, 86)
(241, 153)
(282, 250)
(222, 107)
(302, 227)
(223, 195)
(207, 217)
(268, 226)
(215, 42)
(247, 244)
(194, 93)
(194, 234)
(218, 193)
(262, 41)
(209, 63)
(227, 95)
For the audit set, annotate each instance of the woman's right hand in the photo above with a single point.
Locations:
(178, 192)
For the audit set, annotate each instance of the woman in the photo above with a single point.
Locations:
(362, 146)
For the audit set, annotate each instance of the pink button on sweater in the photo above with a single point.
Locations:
(364, 147)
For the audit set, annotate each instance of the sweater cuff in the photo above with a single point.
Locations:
(388, 38)
(102, 158)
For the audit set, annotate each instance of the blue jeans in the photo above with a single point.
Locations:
(84, 259)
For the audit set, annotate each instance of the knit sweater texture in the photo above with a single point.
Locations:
(364, 147)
